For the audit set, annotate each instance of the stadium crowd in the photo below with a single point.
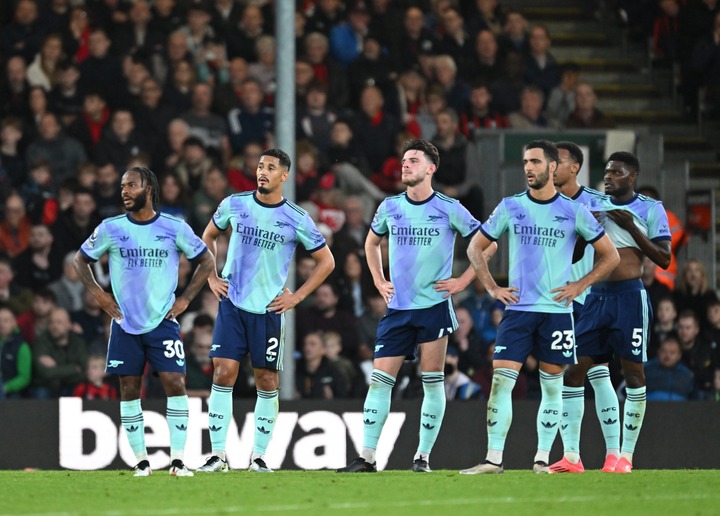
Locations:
(91, 88)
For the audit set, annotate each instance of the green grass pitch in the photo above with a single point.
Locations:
(118, 493)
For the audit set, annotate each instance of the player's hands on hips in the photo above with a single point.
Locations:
(450, 285)
(567, 293)
(178, 307)
(386, 289)
(508, 295)
(218, 286)
(109, 305)
(284, 302)
(622, 218)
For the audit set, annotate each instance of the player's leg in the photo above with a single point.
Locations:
(266, 413)
(432, 365)
(177, 415)
(633, 414)
(607, 408)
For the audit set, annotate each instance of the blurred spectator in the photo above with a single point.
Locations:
(351, 236)
(355, 385)
(367, 330)
(530, 115)
(120, 142)
(353, 281)
(89, 321)
(344, 148)
(514, 37)
(173, 196)
(75, 224)
(107, 191)
(506, 91)
(666, 378)
(226, 15)
(60, 357)
(263, 70)
(24, 34)
(88, 126)
(374, 130)
(12, 295)
(485, 64)
(68, 289)
(206, 200)
(12, 163)
(655, 290)
(455, 40)
(95, 386)
(165, 16)
(64, 152)
(43, 70)
(372, 66)
(208, 306)
(242, 170)
(561, 103)
(315, 119)
(458, 386)
(665, 32)
(14, 88)
(228, 95)
(389, 179)
(307, 172)
(152, 114)
(194, 164)
(479, 304)
(304, 76)
(698, 354)
(201, 37)
(696, 21)
(34, 321)
(137, 36)
(415, 39)
(346, 38)
(39, 194)
(457, 92)
(470, 350)
(305, 265)
(325, 15)
(693, 291)
(586, 114)
(241, 41)
(328, 203)
(712, 332)
(199, 377)
(101, 71)
(66, 98)
(15, 357)
(178, 89)
(326, 316)
(15, 227)
(479, 114)
(706, 63)
(664, 324)
(315, 376)
(206, 125)
(253, 121)
(34, 267)
(172, 148)
(76, 36)
(541, 68)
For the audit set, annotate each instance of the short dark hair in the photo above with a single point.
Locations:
(549, 149)
(148, 177)
(426, 148)
(573, 149)
(193, 141)
(628, 158)
(280, 155)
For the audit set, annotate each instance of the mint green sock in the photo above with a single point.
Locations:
(499, 411)
(431, 412)
(633, 419)
(375, 411)
(132, 419)
(220, 413)
(549, 413)
(266, 412)
(177, 417)
(606, 406)
(573, 399)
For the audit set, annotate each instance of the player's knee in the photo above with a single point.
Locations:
(574, 377)
(174, 385)
(224, 375)
(635, 379)
(266, 380)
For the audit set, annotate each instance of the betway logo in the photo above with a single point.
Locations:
(322, 443)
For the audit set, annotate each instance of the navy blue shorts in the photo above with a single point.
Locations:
(616, 319)
(162, 347)
(238, 332)
(400, 331)
(549, 337)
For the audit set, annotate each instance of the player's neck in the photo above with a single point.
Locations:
(143, 215)
(624, 198)
(274, 197)
(420, 192)
(545, 193)
(569, 190)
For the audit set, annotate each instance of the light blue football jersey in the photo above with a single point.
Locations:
(262, 243)
(421, 243)
(542, 237)
(593, 201)
(649, 216)
(144, 258)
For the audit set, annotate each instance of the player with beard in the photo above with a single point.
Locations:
(421, 226)
(144, 249)
(264, 230)
(616, 319)
(543, 228)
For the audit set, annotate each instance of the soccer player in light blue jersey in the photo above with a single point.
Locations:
(543, 228)
(144, 249)
(265, 229)
(616, 319)
(421, 226)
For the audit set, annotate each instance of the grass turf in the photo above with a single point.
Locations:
(118, 493)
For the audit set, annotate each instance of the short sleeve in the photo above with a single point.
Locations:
(221, 218)
(309, 235)
(462, 221)
(379, 222)
(189, 243)
(497, 222)
(97, 243)
(658, 224)
(587, 226)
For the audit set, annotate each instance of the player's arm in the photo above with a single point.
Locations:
(206, 264)
(218, 285)
(476, 253)
(105, 300)
(373, 255)
(606, 259)
(454, 285)
(325, 263)
(658, 252)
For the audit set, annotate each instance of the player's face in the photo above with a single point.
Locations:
(618, 178)
(270, 174)
(134, 192)
(537, 168)
(415, 168)
(566, 168)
